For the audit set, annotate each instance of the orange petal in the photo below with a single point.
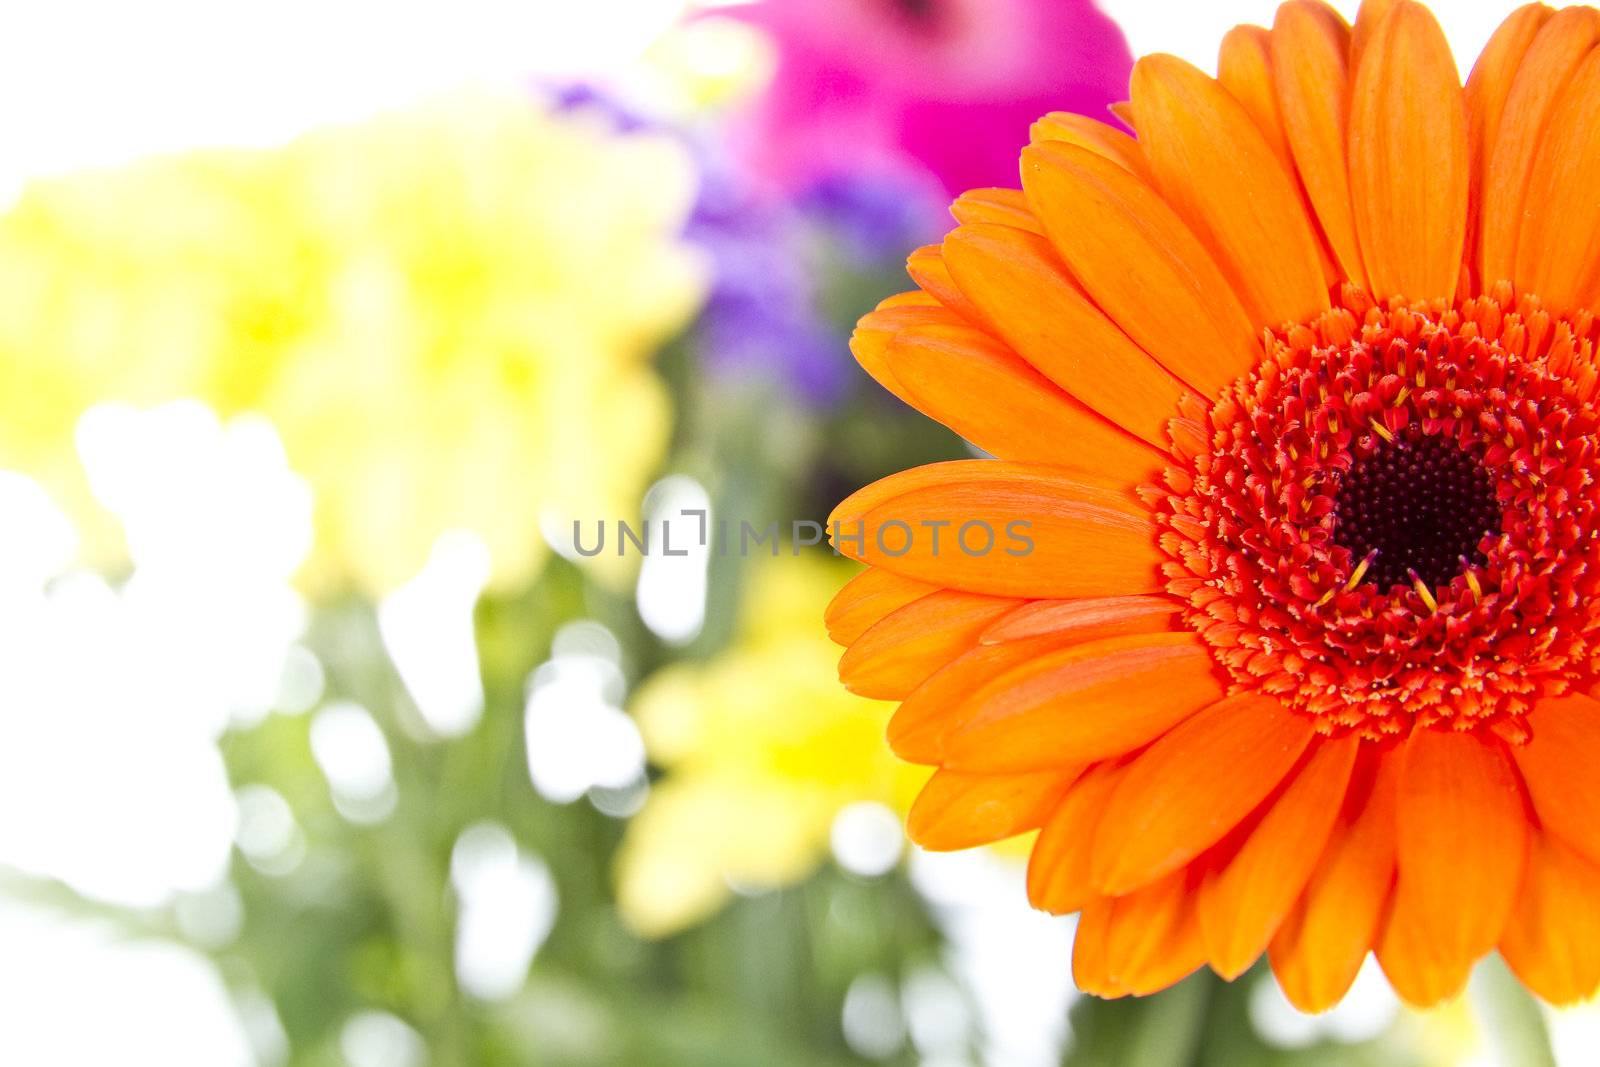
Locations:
(877, 330)
(1244, 67)
(919, 726)
(1023, 416)
(909, 298)
(1309, 48)
(1058, 867)
(1558, 764)
(870, 346)
(998, 207)
(1015, 280)
(1053, 534)
(1561, 224)
(1089, 971)
(1368, 17)
(1141, 264)
(1227, 183)
(928, 269)
(1192, 786)
(900, 652)
(1150, 940)
(1072, 428)
(1408, 157)
(961, 472)
(1085, 619)
(956, 810)
(1552, 942)
(1108, 141)
(865, 599)
(1322, 943)
(1462, 839)
(913, 308)
(1488, 86)
(1530, 105)
(1085, 702)
(1245, 899)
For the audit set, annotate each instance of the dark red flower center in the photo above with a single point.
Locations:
(1419, 508)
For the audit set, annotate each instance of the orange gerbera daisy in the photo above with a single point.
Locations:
(1275, 613)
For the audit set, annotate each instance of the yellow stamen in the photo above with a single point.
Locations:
(1382, 431)
(1424, 592)
(1361, 571)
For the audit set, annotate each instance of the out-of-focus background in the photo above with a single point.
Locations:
(325, 739)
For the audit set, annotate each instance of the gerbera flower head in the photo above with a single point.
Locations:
(1275, 612)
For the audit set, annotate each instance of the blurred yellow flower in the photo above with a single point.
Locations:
(762, 749)
(448, 313)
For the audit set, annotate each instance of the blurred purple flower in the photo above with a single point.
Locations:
(875, 217)
(774, 312)
(792, 269)
(950, 85)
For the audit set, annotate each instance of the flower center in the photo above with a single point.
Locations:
(1395, 518)
(1418, 508)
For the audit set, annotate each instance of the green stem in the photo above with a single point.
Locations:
(1513, 1022)
(1169, 1033)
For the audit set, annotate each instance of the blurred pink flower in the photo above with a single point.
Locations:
(952, 85)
